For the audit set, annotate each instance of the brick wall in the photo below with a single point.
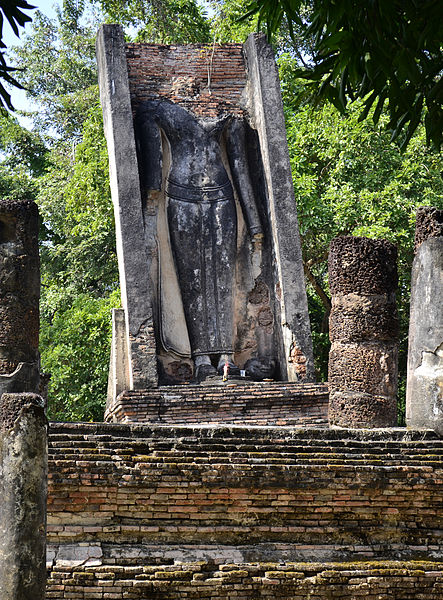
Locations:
(135, 484)
(281, 403)
(159, 511)
(206, 79)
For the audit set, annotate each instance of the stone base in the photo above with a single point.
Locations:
(233, 401)
(381, 580)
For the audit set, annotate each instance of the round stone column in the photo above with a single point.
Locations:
(424, 392)
(363, 331)
(19, 296)
(23, 477)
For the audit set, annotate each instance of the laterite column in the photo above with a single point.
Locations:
(23, 435)
(424, 393)
(363, 332)
(19, 296)
(23, 477)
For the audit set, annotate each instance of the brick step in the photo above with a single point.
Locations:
(214, 459)
(240, 453)
(121, 432)
(246, 448)
(98, 446)
(172, 485)
(264, 403)
(95, 442)
(381, 580)
(231, 388)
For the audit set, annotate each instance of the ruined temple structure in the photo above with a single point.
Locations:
(207, 234)
(424, 393)
(199, 488)
(364, 333)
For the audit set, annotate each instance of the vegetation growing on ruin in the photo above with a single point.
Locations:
(349, 178)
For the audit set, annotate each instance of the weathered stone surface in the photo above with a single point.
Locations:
(363, 331)
(428, 224)
(134, 261)
(360, 409)
(260, 368)
(362, 266)
(235, 116)
(370, 368)
(23, 472)
(206, 578)
(289, 293)
(19, 296)
(424, 394)
(119, 364)
(356, 318)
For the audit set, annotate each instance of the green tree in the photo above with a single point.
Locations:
(79, 275)
(58, 70)
(383, 52)
(70, 183)
(75, 338)
(160, 21)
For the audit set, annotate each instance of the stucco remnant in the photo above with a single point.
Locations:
(424, 393)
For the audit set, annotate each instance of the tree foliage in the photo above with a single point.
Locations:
(13, 13)
(58, 70)
(387, 53)
(79, 274)
(160, 21)
(75, 338)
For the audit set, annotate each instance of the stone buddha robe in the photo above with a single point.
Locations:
(201, 212)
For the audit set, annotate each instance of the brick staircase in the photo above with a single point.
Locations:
(229, 511)
(252, 403)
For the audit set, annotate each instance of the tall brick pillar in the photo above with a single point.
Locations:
(363, 332)
(424, 393)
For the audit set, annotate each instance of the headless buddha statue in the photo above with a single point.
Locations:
(202, 217)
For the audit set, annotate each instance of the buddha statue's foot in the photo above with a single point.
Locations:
(260, 368)
(204, 368)
(204, 371)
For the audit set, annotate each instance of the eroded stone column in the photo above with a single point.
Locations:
(23, 476)
(424, 393)
(19, 296)
(363, 332)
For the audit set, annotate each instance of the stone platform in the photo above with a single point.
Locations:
(234, 401)
(243, 512)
